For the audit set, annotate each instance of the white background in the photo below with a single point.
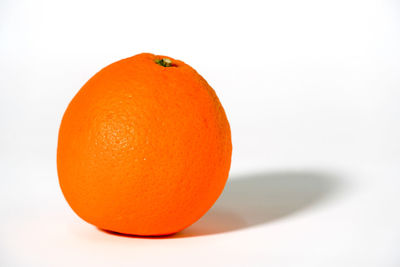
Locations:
(311, 89)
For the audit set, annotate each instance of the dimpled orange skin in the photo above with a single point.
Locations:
(144, 149)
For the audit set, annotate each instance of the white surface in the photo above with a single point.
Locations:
(311, 89)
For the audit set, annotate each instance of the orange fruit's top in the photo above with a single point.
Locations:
(144, 148)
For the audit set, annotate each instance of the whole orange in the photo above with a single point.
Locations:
(144, 148)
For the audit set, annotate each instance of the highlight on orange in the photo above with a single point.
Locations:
(144, 147)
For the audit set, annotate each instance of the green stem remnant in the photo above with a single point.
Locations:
(165, 62)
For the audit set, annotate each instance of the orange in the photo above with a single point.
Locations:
(144, 148)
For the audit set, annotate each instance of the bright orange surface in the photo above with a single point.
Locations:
(144, 149)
